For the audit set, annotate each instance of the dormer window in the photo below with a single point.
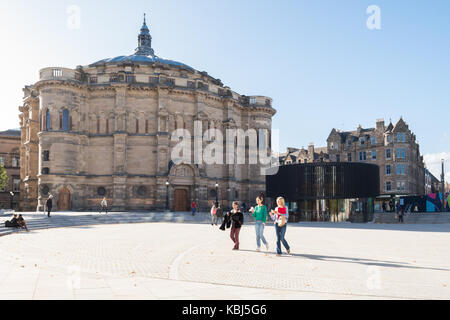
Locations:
(93, 80)
(389, 138)
(362, 141)
(334, 145)
(401, 137)
(252, 100)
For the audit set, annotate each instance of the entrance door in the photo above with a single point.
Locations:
(64, 200)
(181, 200)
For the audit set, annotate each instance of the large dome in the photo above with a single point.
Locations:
(135, 58)
(144, 53)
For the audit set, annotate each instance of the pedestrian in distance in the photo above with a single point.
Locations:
(49, 205)
(280, 217)
(401, 213)
(213, 215)
(260, 214)
(219, 213)
(194, 207)
(104, 206)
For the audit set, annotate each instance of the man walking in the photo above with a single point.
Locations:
(49, 205)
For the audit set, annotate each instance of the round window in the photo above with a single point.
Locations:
(212, 193)
(45, 190)
(101, 191)
(142, 191)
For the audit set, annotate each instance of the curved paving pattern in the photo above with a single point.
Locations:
(195, 261)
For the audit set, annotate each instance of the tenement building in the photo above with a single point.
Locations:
(393, 148)
(10, 160)
(104, 130)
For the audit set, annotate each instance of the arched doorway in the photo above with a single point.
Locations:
(64, 200)
(182, 180)
(181, 200)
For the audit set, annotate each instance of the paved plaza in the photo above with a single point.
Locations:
(193, 260)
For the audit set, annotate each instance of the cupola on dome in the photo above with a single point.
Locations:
(144, 53)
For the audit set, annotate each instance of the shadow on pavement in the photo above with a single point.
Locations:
(372, 226)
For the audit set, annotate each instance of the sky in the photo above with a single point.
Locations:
(318, 60)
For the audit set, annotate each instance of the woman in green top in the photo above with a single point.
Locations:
(260, 215)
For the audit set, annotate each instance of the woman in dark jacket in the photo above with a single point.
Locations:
(49, 204)
(235, 218)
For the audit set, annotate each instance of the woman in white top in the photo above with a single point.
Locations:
(281, 215)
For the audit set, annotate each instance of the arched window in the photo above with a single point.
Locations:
(65, 120)
(48, 125)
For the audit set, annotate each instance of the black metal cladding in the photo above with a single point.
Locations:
(343, 180)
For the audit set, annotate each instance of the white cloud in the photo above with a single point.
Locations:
(433, 163)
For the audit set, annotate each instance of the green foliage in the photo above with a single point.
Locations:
(3, 177)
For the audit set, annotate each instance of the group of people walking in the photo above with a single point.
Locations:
(235, 219)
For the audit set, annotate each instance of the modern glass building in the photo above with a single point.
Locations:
(326, 191)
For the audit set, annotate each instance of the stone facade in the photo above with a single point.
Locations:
(10, 159)
(105, 130)
(393, 148)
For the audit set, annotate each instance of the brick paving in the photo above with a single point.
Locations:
(182, 259)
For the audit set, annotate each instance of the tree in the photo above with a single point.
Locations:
(3, 177)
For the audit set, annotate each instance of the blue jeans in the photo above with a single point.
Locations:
(259, 227)
(281, 232)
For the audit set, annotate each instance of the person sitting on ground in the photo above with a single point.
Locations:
(22, 223)
(13, 223)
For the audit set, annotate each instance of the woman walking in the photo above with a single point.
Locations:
(260, 215)
(213, 215)
(281, 215)
(104, 206)
(236, 218)
(49, 205)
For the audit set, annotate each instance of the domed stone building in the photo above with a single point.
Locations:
(104, 130)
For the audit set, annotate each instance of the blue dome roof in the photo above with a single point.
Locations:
(135, 58)
(144, 53)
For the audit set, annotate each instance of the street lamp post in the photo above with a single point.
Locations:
(12, 200)
(217, 194)
(167, 195)
(443, 185)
